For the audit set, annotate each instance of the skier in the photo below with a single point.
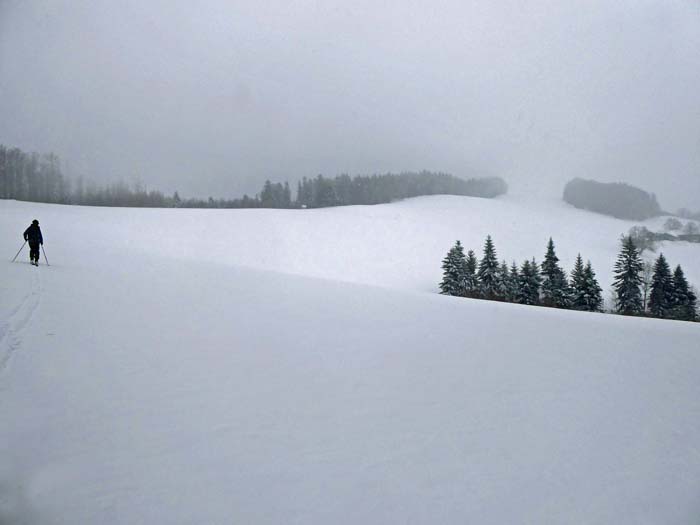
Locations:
(33, 236)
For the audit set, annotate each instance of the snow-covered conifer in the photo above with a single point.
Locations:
(593, 293)
(488, 268)
(577, 282)
(555, 288)
(502, 282)
(513, 283)
(628, 279)
(454, 267)
(585, 290)
(530, 282)
(684, 298)
(661, 299)
(471, 283)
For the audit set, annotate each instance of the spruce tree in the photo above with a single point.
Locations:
(513, 284)
(593, 292)
(555, 288)
(529, 283)
(684, 298)
(578, 290)
(524, 283)
(628, 279)
(471, 284)
(454, 267)
(661, 299)
(586, 292)
(488, 268)
(502, 282)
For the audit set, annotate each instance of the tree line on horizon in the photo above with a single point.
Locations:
(38, 178)
(639, 289)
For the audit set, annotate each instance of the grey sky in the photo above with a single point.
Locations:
(213, 97)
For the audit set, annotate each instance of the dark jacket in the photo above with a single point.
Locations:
(33, 234)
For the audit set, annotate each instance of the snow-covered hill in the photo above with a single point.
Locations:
(400, 245)
(170, 368)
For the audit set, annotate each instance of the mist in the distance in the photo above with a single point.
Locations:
(212, 98)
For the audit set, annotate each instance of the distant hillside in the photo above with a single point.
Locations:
(615, 199)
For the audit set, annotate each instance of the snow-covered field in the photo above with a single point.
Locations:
(220, 366)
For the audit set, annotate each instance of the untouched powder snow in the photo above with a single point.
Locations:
(164, 369)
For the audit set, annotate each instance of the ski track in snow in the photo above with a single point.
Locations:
(12, 328)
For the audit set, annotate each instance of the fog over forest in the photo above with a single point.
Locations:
(214, 97)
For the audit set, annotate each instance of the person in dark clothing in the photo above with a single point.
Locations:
(35, 239)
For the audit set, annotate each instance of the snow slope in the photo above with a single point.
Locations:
(168, 368)
(400, 245)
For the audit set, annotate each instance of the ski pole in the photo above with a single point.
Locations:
(44, 251)
(15, 257)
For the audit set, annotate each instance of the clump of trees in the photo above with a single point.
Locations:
(645, 239)
(32, 177)
(38, 178)
(639, 289)
(653, 291)
(616, 199)
(528, 283)
(689, 229)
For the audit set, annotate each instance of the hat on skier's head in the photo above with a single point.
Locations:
(35, 221)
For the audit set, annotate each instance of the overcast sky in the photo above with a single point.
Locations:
(213, 97)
